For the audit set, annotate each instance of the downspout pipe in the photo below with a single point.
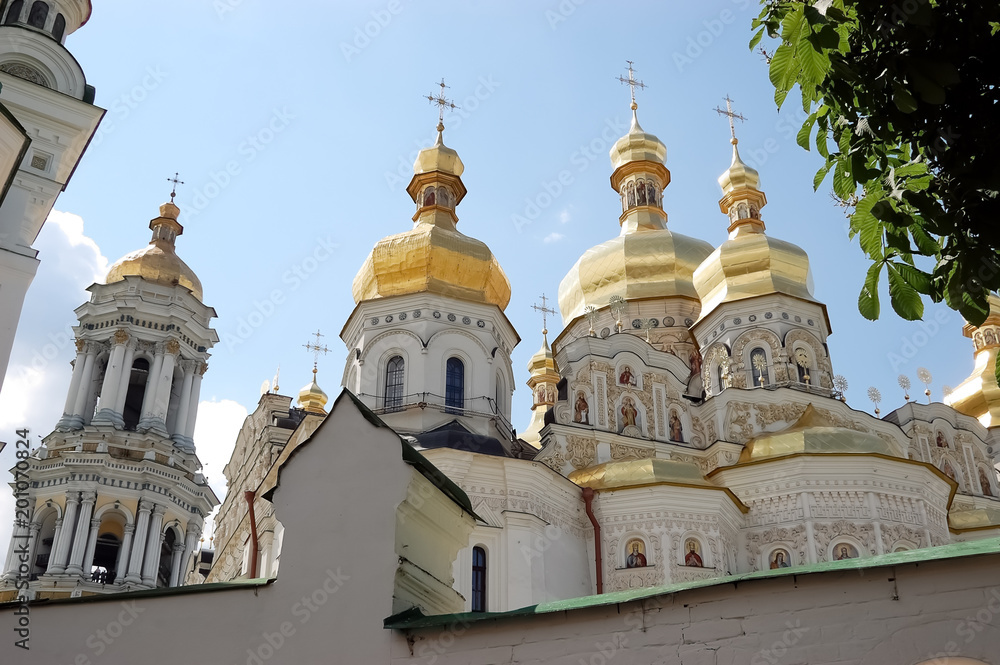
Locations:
(254, 546)
(588, 500)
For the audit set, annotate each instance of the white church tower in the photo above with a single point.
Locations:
(48, 119)
(116, 496)
(429, 344)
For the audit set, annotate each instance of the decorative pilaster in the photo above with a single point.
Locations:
(153, 540)
(83, 390)
(88, 556)
(150, 393)
(134, 575)
(81, 534)
(126, 376)
(123, 554)
(190, 540)
(156, 415)
(66, 421)
(184, 409)
(108, 415)
(60, 550)
(175, 563)
(193, 407)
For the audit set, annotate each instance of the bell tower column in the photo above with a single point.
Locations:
(109, 414)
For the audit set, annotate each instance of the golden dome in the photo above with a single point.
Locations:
(644, 263)
(979, 395)
(637, 146)
(749, 263)
(439, 157)
(312, 398)
(158, 262)
(542, 381)
(813, 434)
(434, 256)
(634, 473)
(646, 260)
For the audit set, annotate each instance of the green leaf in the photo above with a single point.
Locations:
(915, 277)
(821, 175)
(868, 303)
(868, 228)
(756, 38)
(822, 137)
(902, 98)
(782, 71)
(802, 138)
(904, 298)
(843, 183)
(925, 243)
(813, 63)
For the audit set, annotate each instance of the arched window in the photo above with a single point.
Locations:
(499, 395)
(163, 570)
(102, 569)
(14, 13)
(132, 410)
(478, 579)
(59, 27)
(758, 367)
(394, 370)
(39, 12)
(720, 379)
(454, 390)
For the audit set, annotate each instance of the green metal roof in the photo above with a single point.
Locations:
(413, 618)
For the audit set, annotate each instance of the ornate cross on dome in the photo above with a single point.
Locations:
(442, 102)
(177, 181)
(632, 82)
(316, 349)
(545, 310)
(729, 112)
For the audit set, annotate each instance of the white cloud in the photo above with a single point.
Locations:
(34, 388)
(564, 216)
(215, 437)
(553, 237)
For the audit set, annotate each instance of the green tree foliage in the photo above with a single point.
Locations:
(904, 108)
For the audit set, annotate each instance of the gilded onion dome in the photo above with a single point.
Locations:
(646, 260)
(158, 262)
(311, 398)
(542, 381)
(434, 256)
(814, 433)
(979, 395)
(749, 263)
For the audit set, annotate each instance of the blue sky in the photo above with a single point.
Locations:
(295, 125)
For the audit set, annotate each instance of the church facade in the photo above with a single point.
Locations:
(691, 486)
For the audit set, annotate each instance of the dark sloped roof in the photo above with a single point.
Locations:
(454, 435)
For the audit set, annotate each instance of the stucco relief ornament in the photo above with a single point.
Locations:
(80, 345)
(121, 336)
(173, 347)
(581, 451)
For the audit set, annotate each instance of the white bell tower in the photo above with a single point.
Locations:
(116, 496)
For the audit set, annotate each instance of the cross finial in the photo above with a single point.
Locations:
(632, 82)
(732, 115)
(177, 181)
(545, 310)
(442, 103)
(316, 349)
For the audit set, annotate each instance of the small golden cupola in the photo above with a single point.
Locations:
(979, 395)
(750, 263)
(543, 379)
(158, 262)
(646, 260)
(434, 256)
(311, 398)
